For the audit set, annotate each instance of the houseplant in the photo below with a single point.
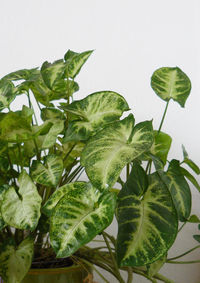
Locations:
(45, 208)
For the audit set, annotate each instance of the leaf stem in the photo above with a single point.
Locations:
(185, 253)
(163, 278)
(183, 262)
(113, 259)
(163, 117)
(130, 275)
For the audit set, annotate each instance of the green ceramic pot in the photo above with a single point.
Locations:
(72, 274)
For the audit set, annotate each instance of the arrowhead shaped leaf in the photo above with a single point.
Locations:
(189, 162)
(75, 61)
(79, 216)
(7, 93)
(190, 177)
(161, 145)
(171, 83)
(93, 112)
(147, 225)
(22, 209)
(15, 261)
(49, 173)
(179, 189)
(106, 154)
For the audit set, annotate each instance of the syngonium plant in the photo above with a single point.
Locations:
(45, 208)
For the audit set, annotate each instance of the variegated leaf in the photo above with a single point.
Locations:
(79, 216)
(49, 173)
(106, 154)
(171, 83)
(147, 224)
(24, 74)
(154, 267)
(93, 112)
(7, 93)
(179, 189)
(75, 61)
(15, 261)
(51, 137)
(161, 145)
(2, 191)
(51, 114)
(22, 209)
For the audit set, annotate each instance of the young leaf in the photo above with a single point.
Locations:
(106, 154)
(189, 162)
(171, 83)
(197, 238)
(7, 93)
(190, 178)
(75, 62)
(49, 173)
(79, 216)
(147, 225)
(15, 261)
(161, 145)
(193, 219)
(22, 209)
(93, 113)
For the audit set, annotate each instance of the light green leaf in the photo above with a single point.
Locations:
(147, 225)
(171, 83)
(15, 261)
(7, 93)
(190, 178)
(49, 173)
(75, 62)
(24, 74)
(22, 209)
(51, 137)
(193, 219)
(106, 154)
(2, 191)
(179, 189)
(51, 114)
(93, 113)
(161, 145)
(79, 216)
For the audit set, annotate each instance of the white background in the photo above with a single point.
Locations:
(131, 39)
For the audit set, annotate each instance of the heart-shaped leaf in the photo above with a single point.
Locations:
(49, 173)
(21, 209)
(93, 113)
(7, 93)
(147, 224)
(79, 216)
(15, 261)
(106, 154)
(171, 83)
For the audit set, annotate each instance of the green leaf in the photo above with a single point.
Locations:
(106, 154)
(24, 74)
(179, 189)
(147, 225)
(189, 162)
(51, 114)
(15, 127)
(2, 191)
(16, 261)
(193, 219)
(93, 113)
(7, 93)
(154, 267)
(161, 145)
(79, 216)
(197, 238)
(190, 178)
(49, 173)
(21, 209)
(75, 62)
(51, 137)
(171, 83)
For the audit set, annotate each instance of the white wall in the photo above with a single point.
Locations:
(131, 39)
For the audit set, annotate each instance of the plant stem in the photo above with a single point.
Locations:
(127, 170)
(130, 275)
(163, 117)
(183, 262)
(163, 278)
(113, 259)
(181, 255)
(181, 227)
